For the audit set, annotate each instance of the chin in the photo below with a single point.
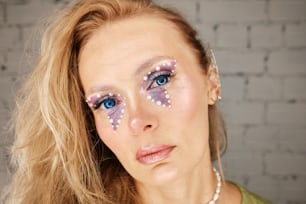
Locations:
(163, 174)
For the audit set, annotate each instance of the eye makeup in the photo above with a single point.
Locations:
(112, 104)
(154, 85)
(156, 80)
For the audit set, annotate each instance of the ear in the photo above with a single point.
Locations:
(214, 84)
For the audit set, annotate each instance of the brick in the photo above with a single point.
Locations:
(235, 135)
(262, 138)
(14, 1)
(231, 36)
(266, 36)
(4, 180)
(7, 89)
(264, 88)
(265, 186)
(6, 137)
(238, 179)
(295, 35)
(293, 190)
(10, 38)
(7, 103)
(240, 62)
(280, 175)
(287, 10)
(285, 114)
(287, 62)
(186, 8)
(295, 88)
(206, 34)
(34, 12)
(232, 88)
(232, 11)
(1, 13)
(20, 62)
(278, 163)
(243, 113)
(2, 61)
(31, 37)
(292, 139)
(3, 158)
(243, 163)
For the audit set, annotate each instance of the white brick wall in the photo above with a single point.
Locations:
(235, 62)
(292, 140)
(233, 88)
(264, 88)
(231, 36)
(3, 158)
(206, 33)
(243, 113)
(295, 35)
(295, 88)
(287, 10)
(10, 37)
(261, 139)
(186, 8)
(260, 47)
(239, 11)
(28, 13)
(267, 36)
(238, 160)
(287, 62)
(1, 13)
(285, 114)
(293, 189)
(283, 164)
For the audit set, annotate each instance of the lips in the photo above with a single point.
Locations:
(153, 154)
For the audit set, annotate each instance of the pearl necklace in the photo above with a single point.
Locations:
(218, 189)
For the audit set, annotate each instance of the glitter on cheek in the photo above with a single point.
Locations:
(159, 96)
(115, 117)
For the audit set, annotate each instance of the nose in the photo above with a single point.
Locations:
(142, 118)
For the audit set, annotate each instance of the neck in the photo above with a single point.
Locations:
(197, 186)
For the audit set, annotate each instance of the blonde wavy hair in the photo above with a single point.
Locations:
(57, 155)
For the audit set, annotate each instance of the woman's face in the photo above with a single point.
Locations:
(149, 98)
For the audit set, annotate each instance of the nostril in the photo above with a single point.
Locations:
(138, 125)
(147, 127)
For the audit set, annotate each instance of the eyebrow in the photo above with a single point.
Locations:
(96, 89)
(141, 68)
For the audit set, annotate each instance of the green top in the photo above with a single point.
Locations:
(251, 198)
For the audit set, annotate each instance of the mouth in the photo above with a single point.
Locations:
(154, 154)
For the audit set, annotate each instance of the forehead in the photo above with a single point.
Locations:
(121, 46)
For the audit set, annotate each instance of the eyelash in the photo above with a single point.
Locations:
(102, 100)
(152, 80)
(155, 75)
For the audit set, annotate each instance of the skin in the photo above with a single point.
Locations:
(186, 175)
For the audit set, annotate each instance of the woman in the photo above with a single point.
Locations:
(121, 108)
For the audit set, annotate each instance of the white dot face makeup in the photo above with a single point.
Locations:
(154, 86)
(155, 83)
(112, 104)
(159, 102)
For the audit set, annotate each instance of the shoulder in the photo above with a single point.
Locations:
(250, 197)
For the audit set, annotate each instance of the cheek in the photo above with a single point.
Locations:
(106, 133)
(191, 100)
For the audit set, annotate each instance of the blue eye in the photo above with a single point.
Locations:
(162, 80)
(109, 103)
